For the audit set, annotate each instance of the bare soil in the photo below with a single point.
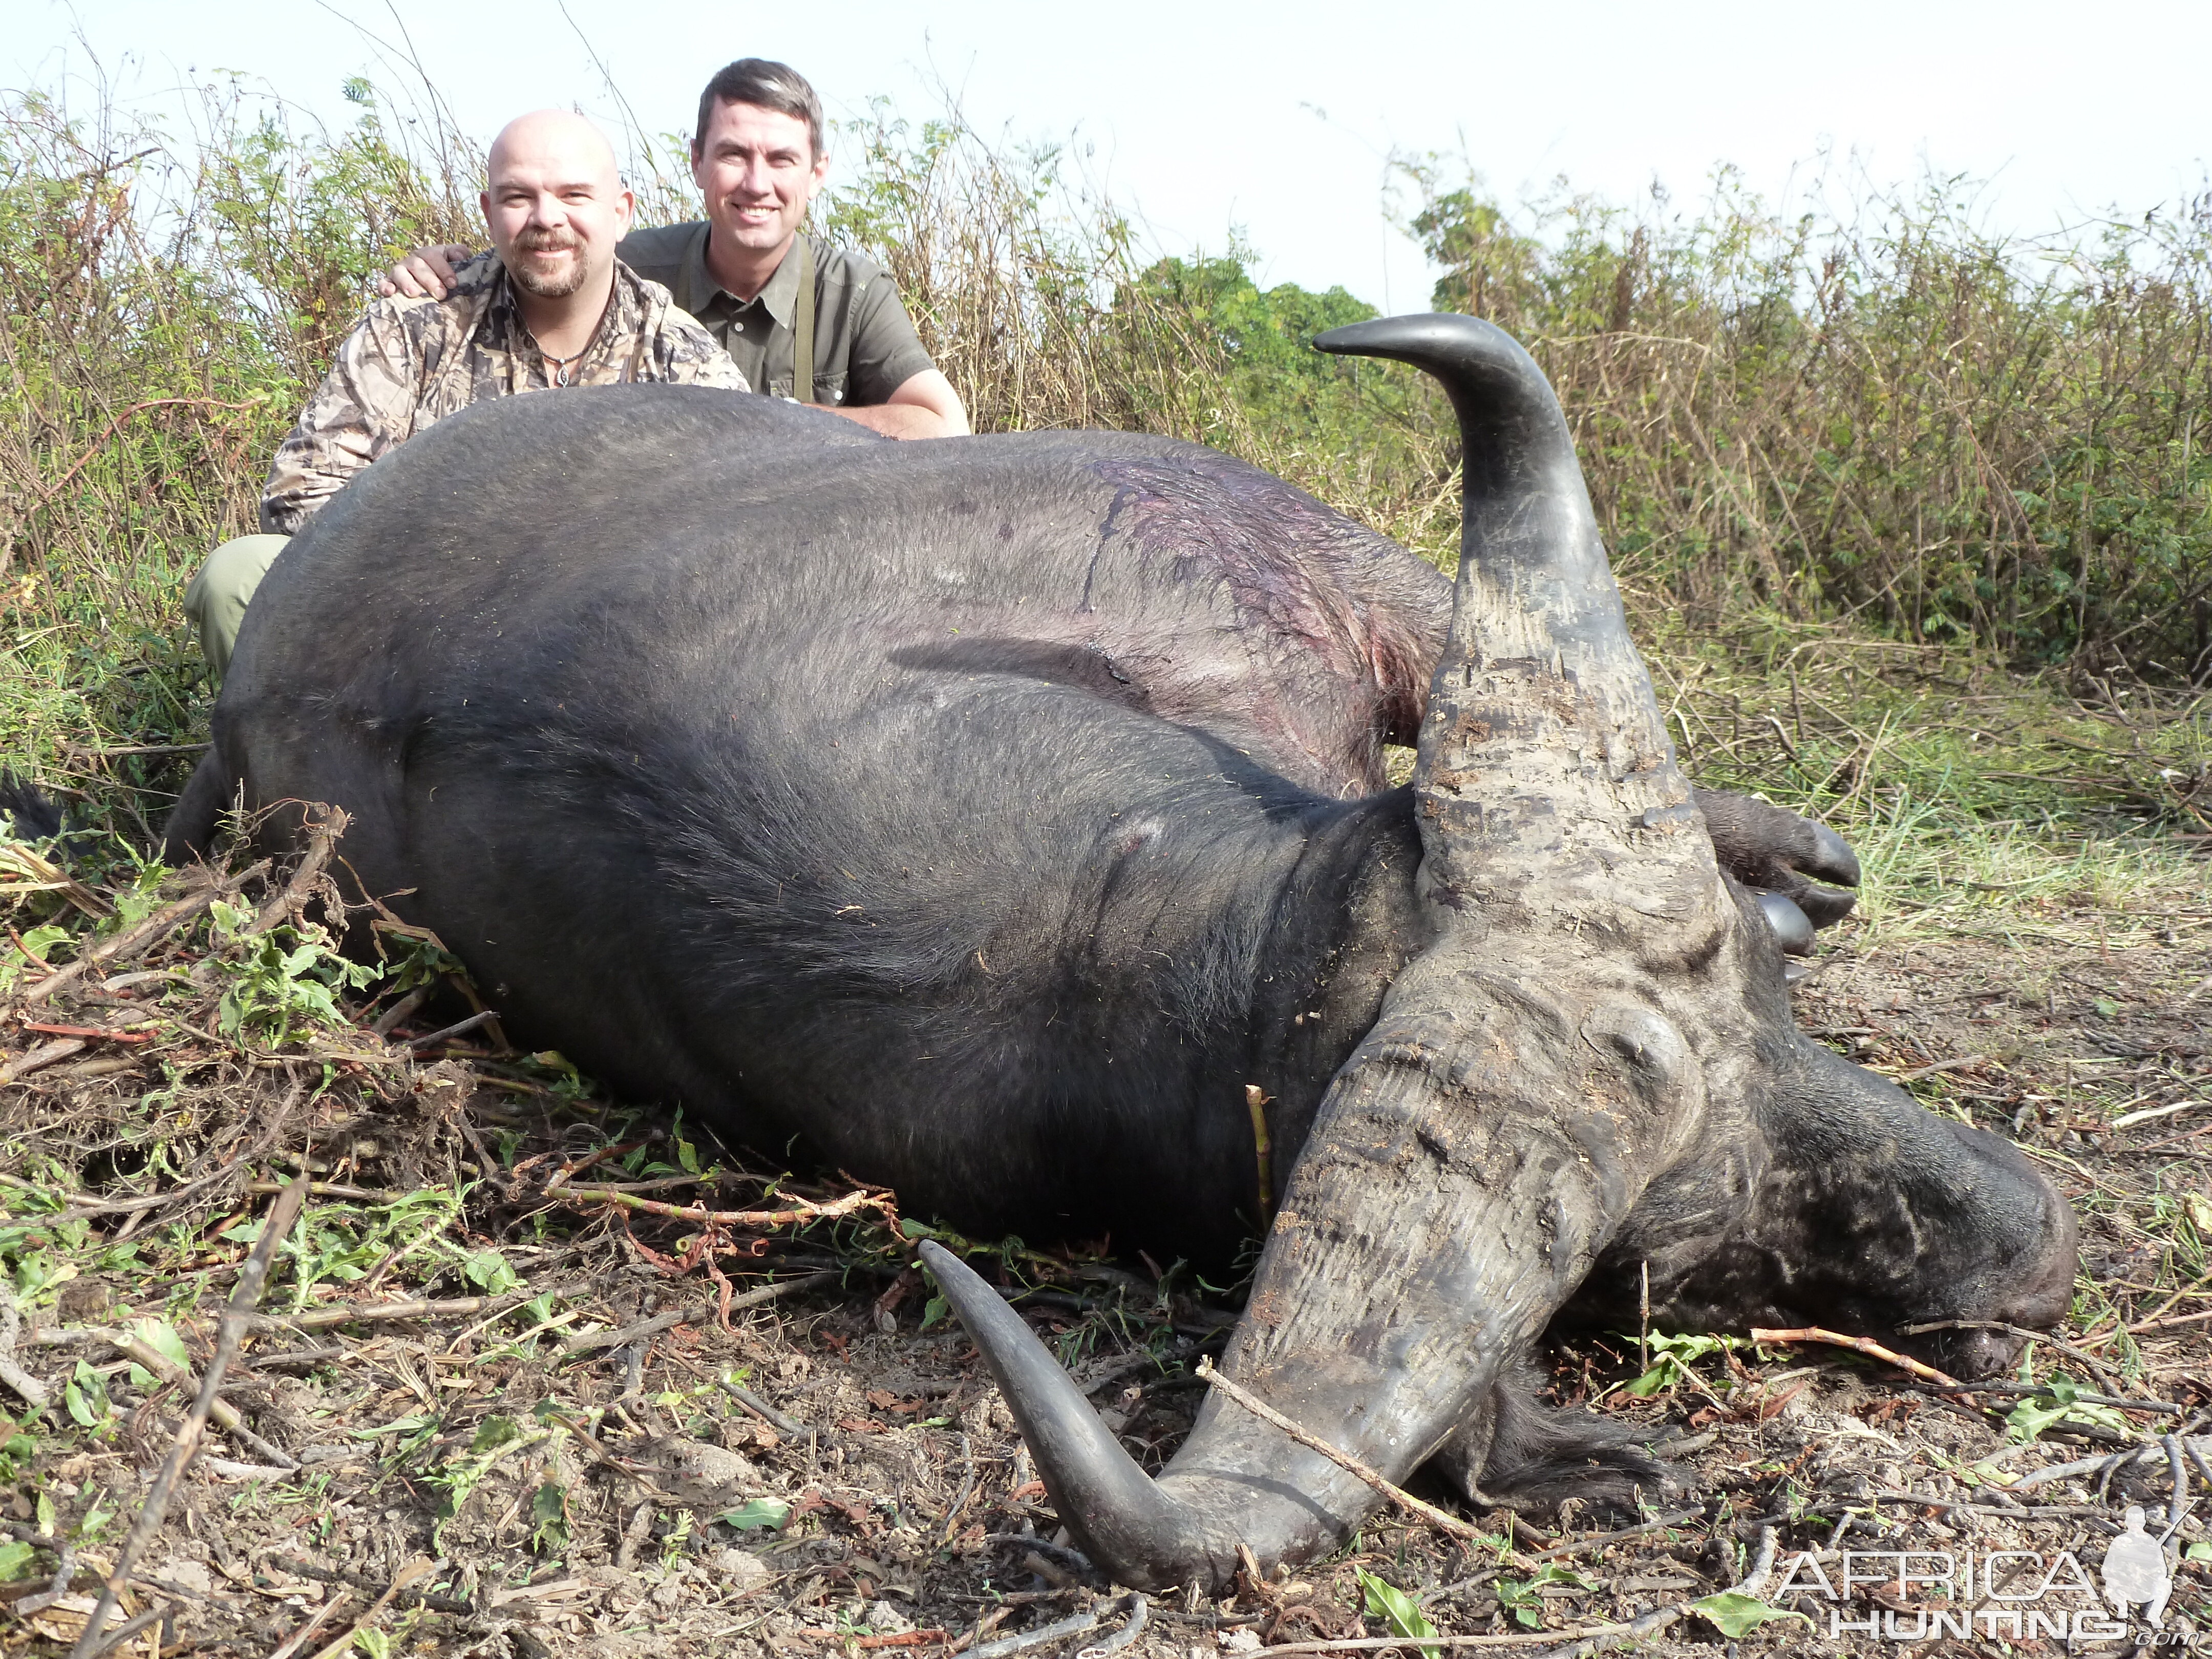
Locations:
(554, 1497)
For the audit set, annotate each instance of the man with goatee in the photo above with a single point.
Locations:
(550, 307)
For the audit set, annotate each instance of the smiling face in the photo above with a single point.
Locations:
(757, 169)
(557, 206)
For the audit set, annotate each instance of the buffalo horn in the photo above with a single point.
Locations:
(1519, 1088)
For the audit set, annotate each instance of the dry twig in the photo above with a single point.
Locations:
(594, 1341)
(1405, 1500)
(1865, 1345)
(799, 1212)
(187, 1444)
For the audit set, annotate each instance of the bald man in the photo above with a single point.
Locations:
(550, 307)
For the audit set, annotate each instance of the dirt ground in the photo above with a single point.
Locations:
(544, 1451)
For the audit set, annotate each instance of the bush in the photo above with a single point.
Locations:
(1882, 416)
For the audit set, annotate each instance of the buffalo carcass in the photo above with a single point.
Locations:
(985, 816)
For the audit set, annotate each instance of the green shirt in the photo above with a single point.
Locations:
(864, 347)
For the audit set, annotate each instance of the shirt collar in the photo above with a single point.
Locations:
(697, 288)
(781, 296)
(624, 315)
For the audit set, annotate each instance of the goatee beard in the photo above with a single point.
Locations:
(548, 287)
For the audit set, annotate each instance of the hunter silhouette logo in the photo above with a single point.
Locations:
(2135, 1573)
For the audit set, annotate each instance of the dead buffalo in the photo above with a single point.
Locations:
(985, 816)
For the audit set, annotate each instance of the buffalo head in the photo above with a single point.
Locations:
(1589, 1073)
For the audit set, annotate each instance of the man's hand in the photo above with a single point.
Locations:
(425, 273)
(924, 406)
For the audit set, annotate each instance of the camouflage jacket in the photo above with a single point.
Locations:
(408, 363)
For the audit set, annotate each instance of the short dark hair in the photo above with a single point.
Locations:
(767, 83)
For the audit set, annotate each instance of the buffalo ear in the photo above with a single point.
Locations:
(1773, 850)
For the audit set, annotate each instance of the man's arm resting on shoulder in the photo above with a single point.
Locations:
(924, 405)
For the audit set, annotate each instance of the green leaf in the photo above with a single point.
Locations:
(761, 1512)
(493, 1433)
(16, 1561)
(2059, 1403)
(488, 1272)
(2199, 1551)
(1518, 1596)
(162, 1337)
(1396, 1609)
(1736, 1615)
(934, 1310)
(373, 1644)
(85, 1396)
(549, 1515)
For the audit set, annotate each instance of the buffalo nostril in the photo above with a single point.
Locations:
(1793, 929)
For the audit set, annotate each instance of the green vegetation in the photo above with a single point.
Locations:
(1880, 416)
(1881, 412)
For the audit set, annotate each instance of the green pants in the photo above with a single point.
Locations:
(218, 598)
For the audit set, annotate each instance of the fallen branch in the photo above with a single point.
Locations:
(32, 1059)
(1075, 1625)
(768, 1413)
(127, 945)
(2015, 1511)
(338, 1189)
(35, 1393)
(1405, 1500)
(1865, 1345)
(322, 840)
(2095, 1364)
(1598, 1540)
(801, 1210)
(905, 1639)
(95, 1032)
(458, 1028)
(2153, 1453)
(2156, 1325)
(594, 1341)
(385, 1313)
(153, 1359)
(189, 1432)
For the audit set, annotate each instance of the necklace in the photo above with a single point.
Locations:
(559, 366)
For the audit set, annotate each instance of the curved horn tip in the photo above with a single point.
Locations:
(1429, 339)
(1126, 1524)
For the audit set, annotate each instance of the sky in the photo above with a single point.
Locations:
(1274, 121)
